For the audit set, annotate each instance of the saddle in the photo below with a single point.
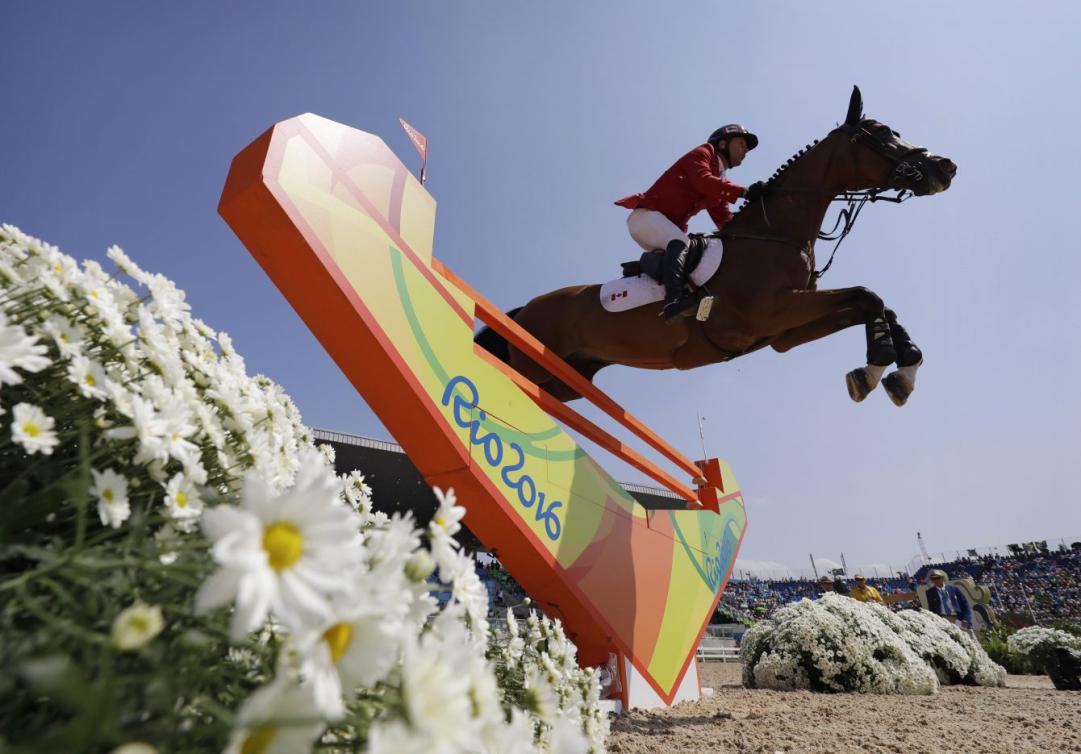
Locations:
(651, 263)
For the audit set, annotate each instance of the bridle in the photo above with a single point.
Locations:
(904, 171)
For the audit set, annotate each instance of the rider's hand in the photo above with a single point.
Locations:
(754, 191)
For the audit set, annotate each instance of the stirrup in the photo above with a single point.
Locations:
(678, 308)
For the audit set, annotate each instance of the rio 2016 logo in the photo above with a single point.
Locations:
(497, 455)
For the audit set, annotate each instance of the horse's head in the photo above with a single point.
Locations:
(882, 159)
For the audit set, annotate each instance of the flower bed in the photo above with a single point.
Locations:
(838, 644)
(1054, 652)
(179, 565)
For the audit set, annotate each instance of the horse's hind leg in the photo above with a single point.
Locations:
(900, 383)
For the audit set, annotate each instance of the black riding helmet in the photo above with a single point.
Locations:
(733, 129)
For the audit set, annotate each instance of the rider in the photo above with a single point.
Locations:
(695, 182)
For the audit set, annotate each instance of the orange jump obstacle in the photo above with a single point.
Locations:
(345, 231)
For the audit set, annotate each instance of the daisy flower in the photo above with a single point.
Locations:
(283, 554)
(67, 336)
(125, 264)
(448, 515)
(185, 504)
(441, 530)
(350, 653)
(136, 626)
(279, 718)
(436, 695)
(111, 491)
(33, 429)
(89, 377)
(18, 351)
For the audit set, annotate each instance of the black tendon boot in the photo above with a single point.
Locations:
(678, 301)
(908, 354)
(880, 352)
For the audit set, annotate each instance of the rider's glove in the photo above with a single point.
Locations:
(754, 191)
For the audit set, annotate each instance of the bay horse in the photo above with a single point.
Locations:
(764, 290)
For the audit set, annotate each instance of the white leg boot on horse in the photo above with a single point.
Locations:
(880, 354)
(900, 383)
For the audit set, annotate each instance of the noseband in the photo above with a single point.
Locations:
(904, 170)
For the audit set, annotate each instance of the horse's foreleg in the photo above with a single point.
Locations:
(837, 310)
(900, 383)
(812, 331)
(860, 382)
(806, 308)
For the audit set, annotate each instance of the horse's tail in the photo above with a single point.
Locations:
(493, 342)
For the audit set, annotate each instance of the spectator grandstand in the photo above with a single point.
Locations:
(1035, 585)
(1029, 585)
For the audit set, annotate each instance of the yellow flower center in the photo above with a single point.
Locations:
(441, 522)
(139, 623)
(181, 500)
(338, 638)
(107, 495)
(258, 741)
(284, 544)
(31, 429)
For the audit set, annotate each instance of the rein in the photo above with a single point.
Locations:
(846, 219)
(857, 200)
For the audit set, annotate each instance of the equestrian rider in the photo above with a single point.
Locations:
(659, 217)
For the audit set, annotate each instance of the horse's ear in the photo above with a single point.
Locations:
(855, 107)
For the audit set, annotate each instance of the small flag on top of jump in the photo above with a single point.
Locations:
(420, 141)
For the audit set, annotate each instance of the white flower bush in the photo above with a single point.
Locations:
(1035, 643)
(180, 566)
(538, 670)
(836, 644)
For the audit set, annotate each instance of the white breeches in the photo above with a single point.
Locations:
(651, 230)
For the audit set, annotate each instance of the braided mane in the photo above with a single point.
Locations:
(780, 172)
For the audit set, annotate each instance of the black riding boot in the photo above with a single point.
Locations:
(678, 301)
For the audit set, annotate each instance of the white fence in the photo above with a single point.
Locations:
(712, 652)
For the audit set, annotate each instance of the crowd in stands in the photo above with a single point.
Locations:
(1038, 586)
(759, 598)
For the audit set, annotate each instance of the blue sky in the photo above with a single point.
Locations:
(121, 119)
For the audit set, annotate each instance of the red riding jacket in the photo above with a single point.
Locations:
(695, 183)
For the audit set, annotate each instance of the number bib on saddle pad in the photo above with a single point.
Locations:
(622, 294)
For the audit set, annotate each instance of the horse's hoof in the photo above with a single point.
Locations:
(897, 388)
(858, 386)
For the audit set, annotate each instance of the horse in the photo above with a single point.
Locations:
(764, 290)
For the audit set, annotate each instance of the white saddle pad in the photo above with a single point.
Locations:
(622, 294)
